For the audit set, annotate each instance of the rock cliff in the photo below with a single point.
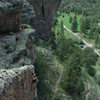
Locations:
(9, 15)
(16, 84)
(27, 13)
(17, 44)
(17, 50)
(45, 11)
(39, 13)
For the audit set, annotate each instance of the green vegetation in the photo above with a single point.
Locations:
(89, 59)
(79, 65)
(72, 81)
(88, 10)
(74, 59)
(47, 71)
(74, 24)
(66, 19)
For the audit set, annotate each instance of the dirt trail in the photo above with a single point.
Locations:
(58, 82)
(87, 89)
(86, 43)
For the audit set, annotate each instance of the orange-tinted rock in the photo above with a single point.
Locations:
(18, 84)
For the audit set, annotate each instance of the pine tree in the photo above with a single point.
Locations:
(74, 24)
(70, 19)
(82, 26)
(91, 32)
(72, 78)
(97, 38)
(85, 25)
(61, 43)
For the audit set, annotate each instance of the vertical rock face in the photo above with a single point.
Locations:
(45, 11)
(27, 13)
(9, 15)
(17, 49)
(16, 84)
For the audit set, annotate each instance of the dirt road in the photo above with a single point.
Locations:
(86, 43)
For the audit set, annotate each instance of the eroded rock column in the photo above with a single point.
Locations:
(45, 11)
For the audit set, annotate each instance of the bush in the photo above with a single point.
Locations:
(91, 71)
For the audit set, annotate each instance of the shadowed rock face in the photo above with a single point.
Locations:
(9, 15)
(45, 11)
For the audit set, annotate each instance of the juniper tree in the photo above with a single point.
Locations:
(74, 24)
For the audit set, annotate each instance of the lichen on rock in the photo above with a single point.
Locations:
(17, 49)
(16, 84)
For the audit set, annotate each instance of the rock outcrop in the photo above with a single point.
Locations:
(16, 84)
(17, 49)
(45, 11)
(39, 13)
(27, 13)
(17, 45)
(9, 15)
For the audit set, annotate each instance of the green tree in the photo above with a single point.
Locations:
(70, 19)
(74, 24)
(82, 26)
(89, 60)
(91, 32)
(61, 43)
(97, 38)
(72, 81)
(85, 25)
(52, 39)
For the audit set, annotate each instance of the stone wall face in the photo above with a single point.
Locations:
(9, 15)
(16, 84)
(17, 50)
(17, 45)
(45, 11)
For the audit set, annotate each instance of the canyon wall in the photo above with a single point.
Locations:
(39, 14)
(9, 15)
(16, 66)
(45, 11)
(17, 49)
(17, 44)
(16, 84)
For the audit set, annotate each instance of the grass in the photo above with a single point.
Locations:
(65, 17)
(68, 34)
